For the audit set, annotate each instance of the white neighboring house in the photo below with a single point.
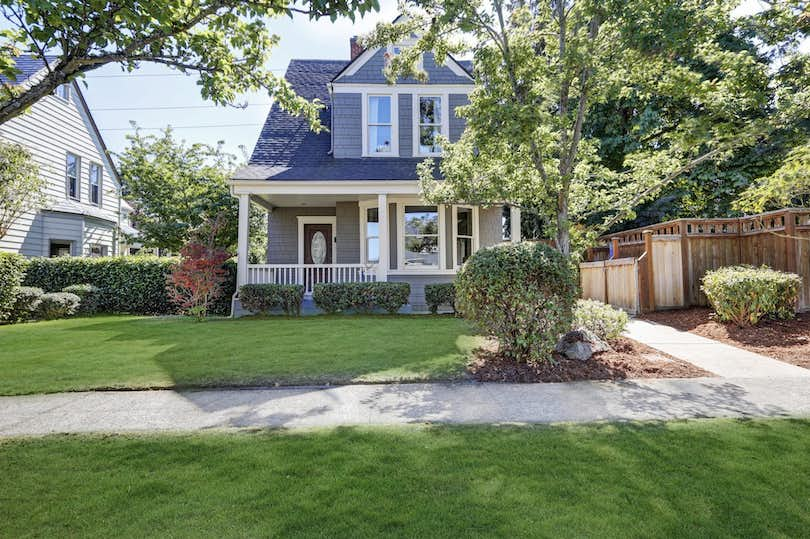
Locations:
(83, 215)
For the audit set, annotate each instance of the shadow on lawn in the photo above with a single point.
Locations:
(294, 351)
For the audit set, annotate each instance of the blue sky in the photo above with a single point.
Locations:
(150, 90)
(151, 87)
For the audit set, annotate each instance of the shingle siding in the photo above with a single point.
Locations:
(348, 128)
(405, 125)
(372, 72)
(456, 124)
(348, 232)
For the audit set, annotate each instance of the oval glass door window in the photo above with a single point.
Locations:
(318, 248)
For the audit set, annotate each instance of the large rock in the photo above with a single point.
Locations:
(580, 344)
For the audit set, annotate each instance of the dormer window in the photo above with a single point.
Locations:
(380, 129)
(430, 124)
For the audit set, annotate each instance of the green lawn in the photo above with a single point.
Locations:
(698, 479)
(141, 352)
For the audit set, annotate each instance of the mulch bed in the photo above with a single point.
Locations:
(786, 340)
(628, 359)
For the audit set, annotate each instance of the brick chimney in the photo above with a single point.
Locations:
(355, 49)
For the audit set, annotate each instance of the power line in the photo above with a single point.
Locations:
(209, 126)
(181, 107)
(130, 75)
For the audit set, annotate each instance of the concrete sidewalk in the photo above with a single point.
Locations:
(400, 404)
(716, 357)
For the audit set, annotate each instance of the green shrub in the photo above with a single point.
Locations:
(440, 294)
(12, 268)
(745, 294)
(262, 298)
(604, 321)
(521, 293)
(26, 301)
(57, 305)
(88, 294)
(361, 297)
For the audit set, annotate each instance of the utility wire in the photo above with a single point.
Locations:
(183, 107)
(130, 75)
(209, 126)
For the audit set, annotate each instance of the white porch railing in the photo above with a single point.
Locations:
(310, 274)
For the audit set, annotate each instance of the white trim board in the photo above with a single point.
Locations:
(316, 220)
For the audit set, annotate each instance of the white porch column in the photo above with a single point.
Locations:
(385, 242)
(514, 220)
(242, 241)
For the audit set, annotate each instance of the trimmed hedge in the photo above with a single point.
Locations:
(604, 321)
(262, 298)
(745, 294)
(26, 301)
(57, 305)
(127, 284)
(88, 294)
(12, 268)
(521, 293)
(361, 297)
(440, 294)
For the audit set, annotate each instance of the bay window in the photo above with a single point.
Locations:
(430, 124)
(421, 237)
(464, 234)
(380, 125)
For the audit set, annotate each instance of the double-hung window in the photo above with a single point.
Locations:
(372, 235)
(380, 126)
(72, 176)
(430, 124)
(95, 183)
(464, 234)
(421, 236)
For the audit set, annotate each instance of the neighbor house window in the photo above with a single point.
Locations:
(421, 236)
(63, 91)
(72, 176)
(97, 250)
(59, 248)
(372, 235)
(464, 234)
(430, 124)
(95, 183)
(506, 223)
(380, 126)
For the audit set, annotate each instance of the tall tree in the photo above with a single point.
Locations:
(21, 186)
(227, 42)
(543, 69)
(177, 188)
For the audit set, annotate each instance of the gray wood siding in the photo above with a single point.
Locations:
(49, 130)
(348, 232)
(372, 72)
(406, 125)
(62, 226)
(347, 125)
(456, 124)
(282, 233)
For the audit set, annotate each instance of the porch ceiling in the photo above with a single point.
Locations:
(316, 201)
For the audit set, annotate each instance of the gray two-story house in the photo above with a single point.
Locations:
(345, 204)
(83, 213)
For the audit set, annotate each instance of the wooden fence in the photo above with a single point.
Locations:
(671, 258)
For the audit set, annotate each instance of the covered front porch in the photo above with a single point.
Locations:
(341, 231)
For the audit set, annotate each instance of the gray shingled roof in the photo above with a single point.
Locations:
(288, 150)
(28, 66)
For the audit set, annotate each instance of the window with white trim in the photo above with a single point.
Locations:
(380, 128)
(72, 176)
(464, 234)
(372, 234)
(421, 237)
(430, 124)
(94, 172)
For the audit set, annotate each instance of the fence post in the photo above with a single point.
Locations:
(648, 247)
(790, 242)
(615, 242)
(685, 263)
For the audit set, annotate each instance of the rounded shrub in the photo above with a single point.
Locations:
(521, 293)
(263, 298)
(88, 294)
(745, 294)
(440, 294)
(604, 321)
(57, 305)
(26, 302)
(12, 269)
(361, 297)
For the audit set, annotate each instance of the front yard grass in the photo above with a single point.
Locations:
(127, 352)
(683, 479)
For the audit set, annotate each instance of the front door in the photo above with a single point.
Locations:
(317, 251)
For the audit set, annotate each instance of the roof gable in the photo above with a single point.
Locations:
(368, 69)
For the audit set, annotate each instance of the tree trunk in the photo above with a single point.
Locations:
(563, 231)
